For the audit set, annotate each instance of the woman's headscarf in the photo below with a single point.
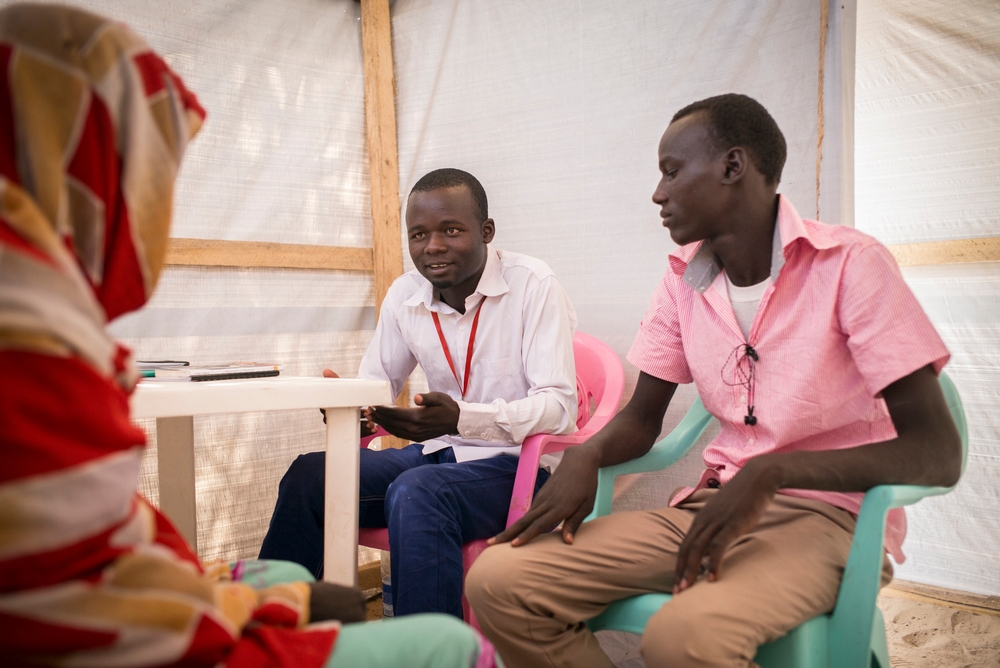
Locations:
(93, 126)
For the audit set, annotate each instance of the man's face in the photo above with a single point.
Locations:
(690, 192)
(447, 241)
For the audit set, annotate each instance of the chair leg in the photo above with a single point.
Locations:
(470, 551)
(879, 643)
(468, 615)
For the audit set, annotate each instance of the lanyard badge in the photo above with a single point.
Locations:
(468, 357)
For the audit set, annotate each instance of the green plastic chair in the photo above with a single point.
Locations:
(853, 635)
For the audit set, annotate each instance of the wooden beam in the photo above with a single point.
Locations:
(983, 605)
(824, 28)
(215, 253)
(380, 128)
(383, 159)
(985, 249)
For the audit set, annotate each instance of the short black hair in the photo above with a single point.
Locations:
(449, 177)
(739, 120)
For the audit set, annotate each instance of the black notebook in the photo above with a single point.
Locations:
(220, 371)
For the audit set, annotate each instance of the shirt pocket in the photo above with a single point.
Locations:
(503, 379)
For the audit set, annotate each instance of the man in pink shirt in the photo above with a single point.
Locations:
(806, 344)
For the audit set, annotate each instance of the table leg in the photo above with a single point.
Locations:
(340, 531)
(175, 467)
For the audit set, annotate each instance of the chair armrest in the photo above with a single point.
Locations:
(854, 613)
(663, 454)
(527, 466)
(897, 496)
(864, 564)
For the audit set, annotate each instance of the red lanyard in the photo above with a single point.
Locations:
(468, 356)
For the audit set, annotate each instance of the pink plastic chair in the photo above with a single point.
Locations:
(599, 377)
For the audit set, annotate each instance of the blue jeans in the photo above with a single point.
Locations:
(431, 504)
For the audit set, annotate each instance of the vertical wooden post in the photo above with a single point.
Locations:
(383, 160)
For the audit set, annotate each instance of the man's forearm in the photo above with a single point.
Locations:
(895, 462)
(927, 450)
(631, 433)
(623, 439)
(545, 412)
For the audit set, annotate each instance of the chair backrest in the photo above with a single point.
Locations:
(957, 413)
(599, 376)
(852, 620)
(849, 634)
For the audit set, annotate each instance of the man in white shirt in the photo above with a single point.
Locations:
(493, 333)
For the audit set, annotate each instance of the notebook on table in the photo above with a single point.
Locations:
(201, 372)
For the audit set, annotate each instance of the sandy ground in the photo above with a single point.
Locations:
(926, 627)
(923, 631)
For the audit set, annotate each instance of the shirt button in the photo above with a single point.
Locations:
(483, 435)
(743, 399)
(752, 440)
(461, 328)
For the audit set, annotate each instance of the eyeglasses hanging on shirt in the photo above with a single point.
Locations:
(743, 361)
(464, 386)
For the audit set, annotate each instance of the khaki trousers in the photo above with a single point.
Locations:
(531, 601)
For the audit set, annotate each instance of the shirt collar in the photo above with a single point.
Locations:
(491, 284)
(699, 267)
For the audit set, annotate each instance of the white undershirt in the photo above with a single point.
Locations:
(745, 302)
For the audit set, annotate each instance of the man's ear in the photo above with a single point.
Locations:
(735, 164)
(488, 229)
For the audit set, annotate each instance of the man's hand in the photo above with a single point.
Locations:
(330, 601)
(733, 511)
(436, 415)
(926, 451)
(567, 497)
(367, 426)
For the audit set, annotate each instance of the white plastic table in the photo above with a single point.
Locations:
(174, 405)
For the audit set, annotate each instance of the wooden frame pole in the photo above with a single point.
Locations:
(380, 128)
(383, 159)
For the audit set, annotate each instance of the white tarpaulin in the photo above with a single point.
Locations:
(557, 107)
(281, 158)
(928, 169)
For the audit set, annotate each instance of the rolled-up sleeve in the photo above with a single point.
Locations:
(888, 333)
(658, 349)
(550, 406)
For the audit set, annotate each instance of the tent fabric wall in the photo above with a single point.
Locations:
(558, 109)
(928, 169)
(282, 155)
(281, 158)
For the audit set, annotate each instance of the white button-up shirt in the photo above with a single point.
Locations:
(522, 380)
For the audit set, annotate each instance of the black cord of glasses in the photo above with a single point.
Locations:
(745, 360)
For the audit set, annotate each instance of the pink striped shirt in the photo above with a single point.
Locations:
(836, 326)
